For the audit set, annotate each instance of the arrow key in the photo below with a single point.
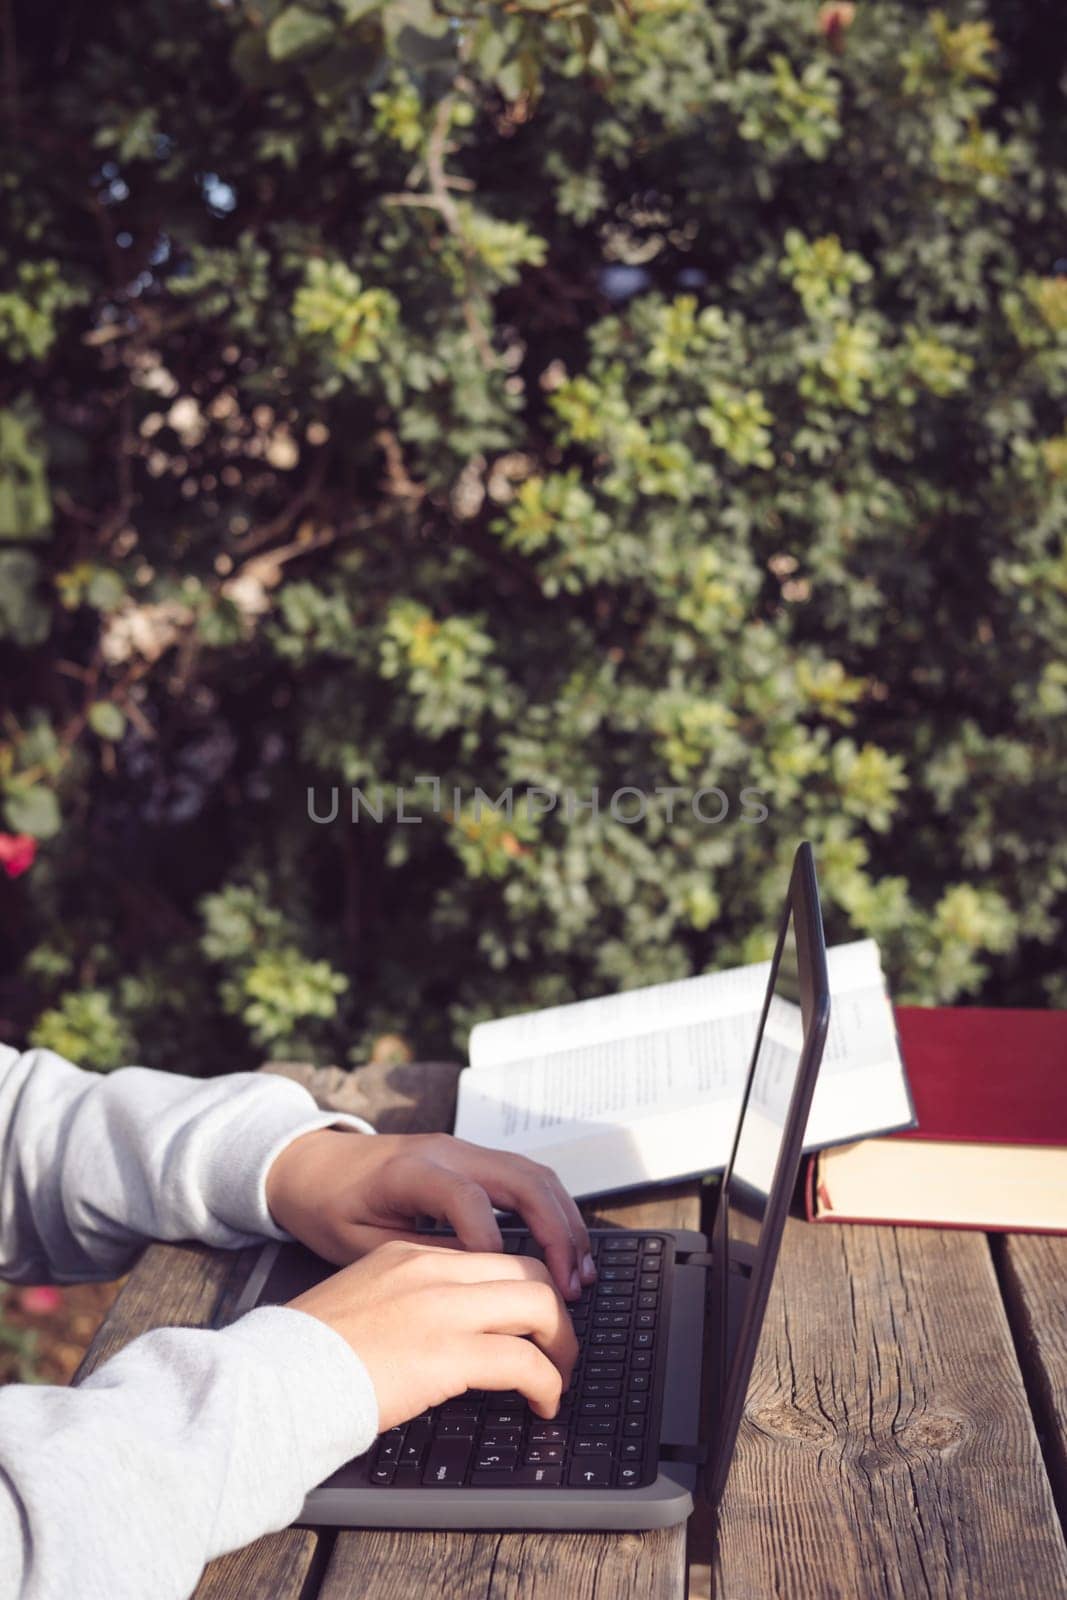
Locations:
(591, 1472)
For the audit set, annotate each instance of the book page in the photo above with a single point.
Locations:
(532, 1035)
(618, 1082)
(675, 1056)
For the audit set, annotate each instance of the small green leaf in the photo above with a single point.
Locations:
(34, 811)
(297, 32)
(107, 720)
(105, 589)
(23, 617)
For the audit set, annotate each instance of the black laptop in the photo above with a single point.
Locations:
(668, 1321)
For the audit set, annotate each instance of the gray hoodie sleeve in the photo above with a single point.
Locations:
(91, 1166)
(189, 1442)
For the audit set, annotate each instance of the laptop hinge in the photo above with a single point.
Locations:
(694, 1455)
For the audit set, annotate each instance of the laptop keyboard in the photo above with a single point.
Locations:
(606, 1434)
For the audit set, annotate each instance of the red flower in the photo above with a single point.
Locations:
(39, 1300)
(834, 23)
(18, 851)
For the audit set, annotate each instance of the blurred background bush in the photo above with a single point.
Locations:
(566, 393)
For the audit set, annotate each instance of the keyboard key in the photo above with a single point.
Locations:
(647, 1302)
(618, 1274)
(456, 1428)
(628, 1477)
(632, 1450)
(643, 1339)
(544, 1433)
(495, 1438)
(501, 1459)
(550, 1477)
(540, 1453)
(640, 1360)
(387, 1453)
(602, 1391)
(611, 1319)
(406, 1477)
(461, 1408)
(633, 1426)
(639, 1380)
(648, 1280)
(504, 1419)
(652, 1247)
(600, 1408)
(599, 1424)
(591, 1472)
(447, 1461)
(619, 1241)
(610, 1371)
(383, 1474)
(608, 1336)
(645, 1319)
(637, 1402)
(593, 1447)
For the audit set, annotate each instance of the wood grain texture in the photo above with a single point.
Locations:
(887, 1450)
(172, 1286)
(278, 1567)
(407, 1097)
(1033, 1271)
(389, 1564)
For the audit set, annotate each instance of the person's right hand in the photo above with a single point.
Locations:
(429, 1322)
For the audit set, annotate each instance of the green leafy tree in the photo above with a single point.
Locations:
(648, 395)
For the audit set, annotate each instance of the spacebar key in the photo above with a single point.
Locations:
(447, 1461)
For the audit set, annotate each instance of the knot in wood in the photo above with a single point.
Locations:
(784, 1420)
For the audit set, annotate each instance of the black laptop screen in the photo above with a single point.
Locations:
(761, 1131)
(758, 1183)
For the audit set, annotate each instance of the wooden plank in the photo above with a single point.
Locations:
(1034, 1275)
(273, 1568)
(887, 1449)
(392, 1564)
(172, 1286)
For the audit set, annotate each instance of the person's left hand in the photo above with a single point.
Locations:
(342, 1193)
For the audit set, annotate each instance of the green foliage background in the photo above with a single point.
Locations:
(571, 394)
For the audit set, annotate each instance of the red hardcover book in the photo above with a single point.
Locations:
(990, 1148)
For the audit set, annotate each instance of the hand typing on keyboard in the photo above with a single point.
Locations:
(605, 1431)
(343, 1193)
(429, 1322)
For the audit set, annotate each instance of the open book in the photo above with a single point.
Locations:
(645, 1086)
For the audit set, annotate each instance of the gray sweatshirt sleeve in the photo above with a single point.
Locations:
(91, 1166)
(189, 1442)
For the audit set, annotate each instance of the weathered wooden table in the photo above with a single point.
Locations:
(905, 1433)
